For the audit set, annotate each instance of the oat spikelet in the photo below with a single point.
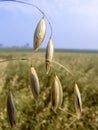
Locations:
(49, 55)
(39, 33)
(78, 101)
(60, 93)
(11, 109)
(57, 94)
(34, 83)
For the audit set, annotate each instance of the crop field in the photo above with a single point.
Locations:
(37, 114)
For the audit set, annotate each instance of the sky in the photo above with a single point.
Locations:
(74, 23)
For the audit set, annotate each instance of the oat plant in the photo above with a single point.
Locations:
(56, 87)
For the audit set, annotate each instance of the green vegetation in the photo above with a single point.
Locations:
(31, 115)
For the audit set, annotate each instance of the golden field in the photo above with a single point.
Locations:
(38, 115)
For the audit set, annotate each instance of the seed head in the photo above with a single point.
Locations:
(39, 33)
(34, 83)
(49, 55)
(57, 93)
(78, 101)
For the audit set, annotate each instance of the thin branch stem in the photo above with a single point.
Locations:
(65, 111)
(26, 3)
(71, 123)
(23, 59)
(62, 67)
(73, 115)
(6, 60)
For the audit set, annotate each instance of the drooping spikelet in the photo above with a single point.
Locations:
(57, 93)
(39, 33)
(49, 55)
(77, 100)
(11, 109)
(60, 93)
(34, 83)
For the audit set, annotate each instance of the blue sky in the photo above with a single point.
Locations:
(74, 23)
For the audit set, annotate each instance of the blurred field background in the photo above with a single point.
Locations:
(31, 115)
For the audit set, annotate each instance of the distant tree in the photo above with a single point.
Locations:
(26, 45)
